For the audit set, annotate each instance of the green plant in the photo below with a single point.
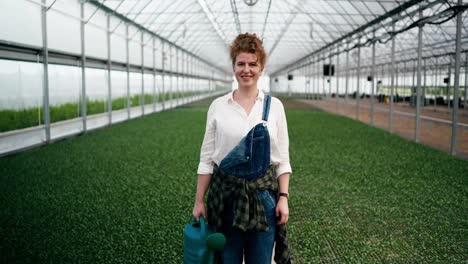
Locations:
(124, 194)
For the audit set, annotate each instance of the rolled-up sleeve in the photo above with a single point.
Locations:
(283, 144)
(208, 146)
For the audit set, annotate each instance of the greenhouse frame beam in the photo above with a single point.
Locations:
(19, 52)
(401, 54)
(125, 19)
(211, 17)
(362, 28)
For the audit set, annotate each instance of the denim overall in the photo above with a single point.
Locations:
(250, 159)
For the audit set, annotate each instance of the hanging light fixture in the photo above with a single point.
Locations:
(250, 2)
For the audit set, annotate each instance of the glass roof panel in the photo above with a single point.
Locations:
(291, 29)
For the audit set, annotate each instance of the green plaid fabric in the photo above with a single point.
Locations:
(249, 214)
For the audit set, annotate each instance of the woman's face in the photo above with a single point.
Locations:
(247, 69)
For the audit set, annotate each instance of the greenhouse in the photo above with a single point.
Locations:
(104, 105)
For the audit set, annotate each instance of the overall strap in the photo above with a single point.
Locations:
(266, 107)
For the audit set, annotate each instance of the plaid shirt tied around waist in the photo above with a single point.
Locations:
(249, 213)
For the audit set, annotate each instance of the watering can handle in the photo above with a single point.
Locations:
(202, 225)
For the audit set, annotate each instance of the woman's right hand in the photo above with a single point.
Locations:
(199, 209)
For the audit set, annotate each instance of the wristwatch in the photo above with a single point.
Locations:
(284, 194)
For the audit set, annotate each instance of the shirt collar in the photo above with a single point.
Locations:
(260, 96)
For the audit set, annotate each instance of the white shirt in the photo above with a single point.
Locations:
(227, 123)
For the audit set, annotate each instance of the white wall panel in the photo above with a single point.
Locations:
(26, 16)
(95, 33)
(63, 27)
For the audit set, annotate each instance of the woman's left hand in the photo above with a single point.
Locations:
(282, 210)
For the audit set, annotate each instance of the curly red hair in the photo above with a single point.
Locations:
(249, 43)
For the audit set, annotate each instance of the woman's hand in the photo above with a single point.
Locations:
(199, 209)
(282, 210)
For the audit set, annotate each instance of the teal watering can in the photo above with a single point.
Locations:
(200, 243)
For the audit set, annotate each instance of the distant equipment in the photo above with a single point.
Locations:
(290, 77)
(328, 70)
(370, 78)
(446, 80)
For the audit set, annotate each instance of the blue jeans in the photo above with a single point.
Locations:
(257, 246)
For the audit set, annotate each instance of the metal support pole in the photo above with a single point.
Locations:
(317, 76)
(171, 80)
(309, 83)
(154, 74)
(465, 103)
(413, 84)
(448, 83)
(191, 80)
(324, 83)
(304, 71)
(457, 82)
(397, 79)
(465, 100)
(358, 92)
(142, 99)
(418, 88)
(45, 50)
(392, 80)
(128, 70)
(424, 83)
(109, 71)
(347, 77)
(329, 76)
(184, 79)
(337, 69)
(373, 71)
(190, 84)
(436, 83)
(83, 67)
(337, 77)
(402, 84)
(177, 81)
(163, 58)
(306, 80)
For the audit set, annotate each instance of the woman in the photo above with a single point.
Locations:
(248, 198)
